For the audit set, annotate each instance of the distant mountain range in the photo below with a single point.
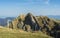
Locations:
(54, 16)
(3, 21)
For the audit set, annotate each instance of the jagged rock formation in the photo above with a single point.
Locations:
(36, 23)
(18, 22)
(31, 20)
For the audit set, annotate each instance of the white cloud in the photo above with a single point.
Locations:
(45, 1)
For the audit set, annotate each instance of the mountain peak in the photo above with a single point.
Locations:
(30, 22)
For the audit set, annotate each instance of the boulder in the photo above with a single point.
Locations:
(27, 28)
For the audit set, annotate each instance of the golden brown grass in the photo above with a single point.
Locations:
(9, 33)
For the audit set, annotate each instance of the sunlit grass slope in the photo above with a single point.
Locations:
(9, 33)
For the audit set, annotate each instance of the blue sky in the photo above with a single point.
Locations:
(11, 8)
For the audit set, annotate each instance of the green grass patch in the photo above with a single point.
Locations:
(9, 33)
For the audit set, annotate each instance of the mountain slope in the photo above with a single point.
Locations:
(31, 23)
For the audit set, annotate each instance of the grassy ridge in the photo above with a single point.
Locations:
(9, 33)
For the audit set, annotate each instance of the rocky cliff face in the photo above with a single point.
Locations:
(36, 23)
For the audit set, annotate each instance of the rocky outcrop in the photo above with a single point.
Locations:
(18, 22)
(30, 22)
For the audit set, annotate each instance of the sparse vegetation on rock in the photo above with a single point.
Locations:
(30, 22)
